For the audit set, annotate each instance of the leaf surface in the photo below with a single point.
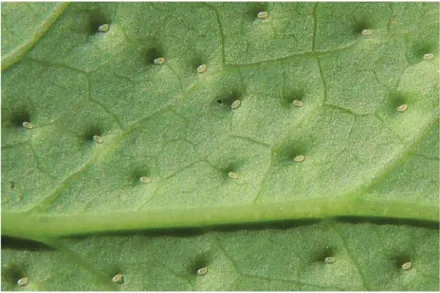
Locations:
(121, 117)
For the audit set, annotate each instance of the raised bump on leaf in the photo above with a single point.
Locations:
(118, 278)
(406, 266)
(233, 175)
(235, 104)
(27, 125)
(262, 14)
(297, 103)
(97, 139)
(329, 259)
(428, 56)
(299, 158)
(402, 108)
(159, 61)
(202, 271)
(201, 68)
(367, 32)
(23, 282)
(104, 28)
(144, 179)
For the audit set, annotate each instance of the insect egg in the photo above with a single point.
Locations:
(407, 266)
(297, 103)
(233, 175)
(299, 158)
(202, 271)
(104, 28)
(97, 138)
(236, 104)
(159, 61)
(428, 56)
(201, 68)
(329, 259)
(27, 125)
(23, 282)
(402, 108)
(117, 278)
(144, 179)
(367, 32)
(262, 15)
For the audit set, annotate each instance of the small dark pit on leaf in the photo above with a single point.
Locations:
(254, 9)
(402, 261)
(97, 19)
(152, 54)
(19, 117)
(199, 265)
(91, 134)
(13, 272)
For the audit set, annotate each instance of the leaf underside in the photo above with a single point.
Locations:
(220, 146)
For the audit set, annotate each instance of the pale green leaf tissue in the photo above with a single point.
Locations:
(281, 146)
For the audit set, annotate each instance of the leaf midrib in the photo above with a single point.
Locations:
(35, 226)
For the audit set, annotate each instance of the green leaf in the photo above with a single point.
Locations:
(298, 141)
